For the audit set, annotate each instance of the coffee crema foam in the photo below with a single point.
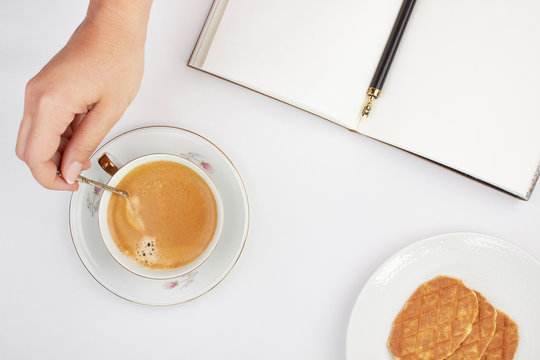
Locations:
(168, 220)
(146, 251)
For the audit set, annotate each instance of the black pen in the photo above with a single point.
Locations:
(387, 56)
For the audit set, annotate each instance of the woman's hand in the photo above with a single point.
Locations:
(73, 102)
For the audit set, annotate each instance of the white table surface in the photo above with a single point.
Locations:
(327, 205)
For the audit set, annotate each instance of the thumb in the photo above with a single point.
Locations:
(85, 139)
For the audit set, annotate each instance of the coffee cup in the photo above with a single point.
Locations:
(118, 173)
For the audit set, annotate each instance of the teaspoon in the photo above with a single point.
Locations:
(85, 180)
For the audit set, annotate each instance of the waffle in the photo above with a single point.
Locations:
(483, 329)
(434, 321)
(504, 344)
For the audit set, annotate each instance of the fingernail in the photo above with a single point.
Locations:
(73, 171)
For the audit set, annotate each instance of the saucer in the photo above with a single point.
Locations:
(506, 275)
(83, 218)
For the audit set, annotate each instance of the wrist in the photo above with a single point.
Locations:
(124, 14)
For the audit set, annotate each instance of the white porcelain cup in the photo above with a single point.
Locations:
(131, 264)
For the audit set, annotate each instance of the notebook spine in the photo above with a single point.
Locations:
(208, 32)
(534, 181)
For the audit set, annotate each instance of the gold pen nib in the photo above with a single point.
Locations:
(367, 107)
(372, 94)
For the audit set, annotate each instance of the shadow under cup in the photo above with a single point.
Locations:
(128, 262)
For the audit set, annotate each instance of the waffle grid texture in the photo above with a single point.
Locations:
(504, 344)
(483, 329)
(434, 321)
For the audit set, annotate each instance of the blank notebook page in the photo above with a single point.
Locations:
(464, 90)
(313, 54)
(461, 91)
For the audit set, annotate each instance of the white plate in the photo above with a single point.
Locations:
(507, 276)
(101, 265)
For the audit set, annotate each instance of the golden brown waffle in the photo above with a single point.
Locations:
(483, 329)
(504, 344)
(434, 321)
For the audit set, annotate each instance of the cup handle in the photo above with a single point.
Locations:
(106, 161)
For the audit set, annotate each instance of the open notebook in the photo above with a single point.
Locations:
(463, 90)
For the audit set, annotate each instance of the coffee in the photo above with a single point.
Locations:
(168, 220)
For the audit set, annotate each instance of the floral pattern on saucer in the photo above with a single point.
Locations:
(182, 282)
(93, 198)
(198, 159)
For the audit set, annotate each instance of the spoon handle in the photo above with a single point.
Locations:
(88, 181)
(102, 186)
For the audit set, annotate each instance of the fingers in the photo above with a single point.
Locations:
(22, 136)
(45, 174)
(85, 139)
(46, 130)
(24, 129)
(40, 139)
(76, 122)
